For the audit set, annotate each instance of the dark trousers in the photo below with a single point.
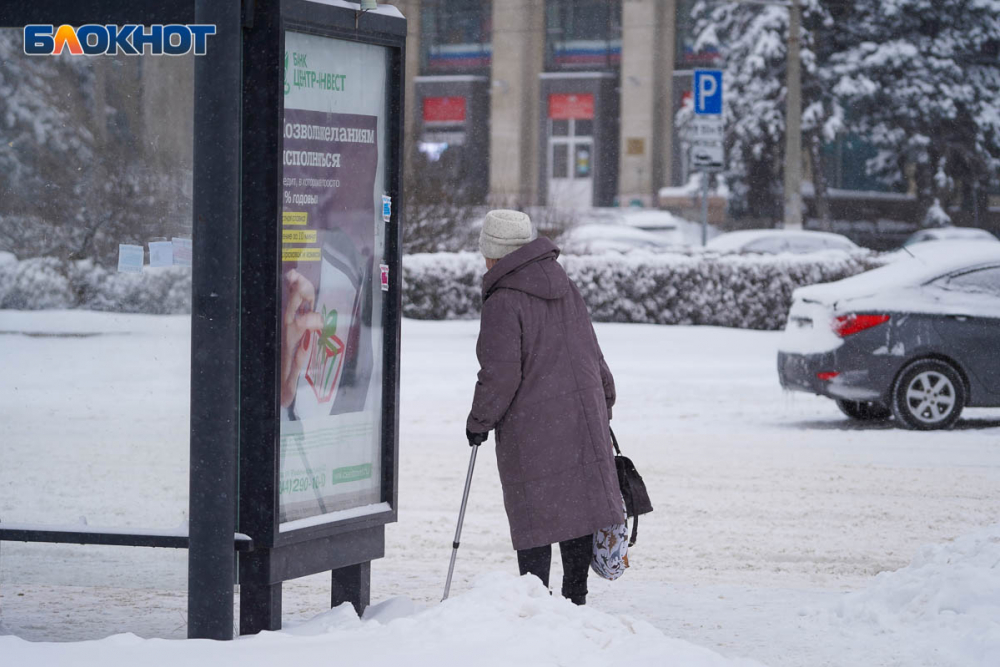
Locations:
(576, 555)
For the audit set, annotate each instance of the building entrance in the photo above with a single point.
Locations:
(571, 161)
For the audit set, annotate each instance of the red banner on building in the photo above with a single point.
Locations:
(444, 109)
(564, 106)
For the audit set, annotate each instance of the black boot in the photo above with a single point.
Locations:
(576, 556)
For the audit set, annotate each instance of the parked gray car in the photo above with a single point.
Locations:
(918, 339)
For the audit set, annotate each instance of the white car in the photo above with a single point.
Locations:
(777, 241)
(595, 239)
(950, 234)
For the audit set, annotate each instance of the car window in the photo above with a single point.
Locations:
(804, 245)
(770, 246)
(838, 244)
(980, 281)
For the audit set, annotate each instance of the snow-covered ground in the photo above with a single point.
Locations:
(774, 514)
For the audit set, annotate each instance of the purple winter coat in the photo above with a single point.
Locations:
(544, 386)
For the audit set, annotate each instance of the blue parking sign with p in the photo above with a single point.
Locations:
(707, 92)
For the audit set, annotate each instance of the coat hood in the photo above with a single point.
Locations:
(531, 269)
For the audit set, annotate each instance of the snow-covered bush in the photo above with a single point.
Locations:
(442, 286)
(50, 283)
(748, 292)
(35, 284)
(155, 291)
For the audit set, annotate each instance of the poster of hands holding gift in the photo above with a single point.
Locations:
(332, 237)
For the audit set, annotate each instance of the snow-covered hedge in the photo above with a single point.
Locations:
(748, 292)
(48, 282)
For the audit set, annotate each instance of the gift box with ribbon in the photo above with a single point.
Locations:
(327, 358)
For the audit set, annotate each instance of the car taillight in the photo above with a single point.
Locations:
(847, 325)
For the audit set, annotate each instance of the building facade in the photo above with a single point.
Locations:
(550, 102)
(563, 103)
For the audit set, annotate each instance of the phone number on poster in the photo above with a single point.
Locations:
(297, 484)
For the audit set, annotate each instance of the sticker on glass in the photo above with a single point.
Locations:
(386, 208)
(129, 258)
(182, 251)
(161, 253)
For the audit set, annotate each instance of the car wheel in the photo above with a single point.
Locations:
(864, 410)
(929, 394)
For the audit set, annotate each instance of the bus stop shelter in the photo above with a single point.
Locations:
(295, 299)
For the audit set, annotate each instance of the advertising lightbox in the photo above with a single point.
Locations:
(332, 245)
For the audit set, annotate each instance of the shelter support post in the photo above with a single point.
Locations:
(352, 584)
(215, 325)
(260, 607)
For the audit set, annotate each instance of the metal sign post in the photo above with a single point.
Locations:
(706, 135)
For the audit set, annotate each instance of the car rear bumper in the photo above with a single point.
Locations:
(852, 382)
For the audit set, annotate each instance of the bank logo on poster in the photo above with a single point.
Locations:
(303, 77)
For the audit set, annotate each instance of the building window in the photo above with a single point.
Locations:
(583, 34)
(455, 36)
(846, 164)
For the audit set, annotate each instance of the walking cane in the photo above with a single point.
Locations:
(461, 518)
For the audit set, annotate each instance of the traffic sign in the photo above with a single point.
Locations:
(708, 92)
(705, 136)
(707, 158)
(705, 130)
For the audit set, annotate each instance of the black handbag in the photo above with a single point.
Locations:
(633, 489)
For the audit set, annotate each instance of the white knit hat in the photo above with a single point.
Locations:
(504, 231)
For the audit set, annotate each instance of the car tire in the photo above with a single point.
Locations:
(864, 411)
(928, 395)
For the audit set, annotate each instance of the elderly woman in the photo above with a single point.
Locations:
(545, 389)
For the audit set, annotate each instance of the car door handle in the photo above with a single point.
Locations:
(960, 318)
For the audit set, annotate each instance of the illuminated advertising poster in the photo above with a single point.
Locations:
(332, 243)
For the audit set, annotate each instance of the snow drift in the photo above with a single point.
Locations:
(502, 621)
(950, 591)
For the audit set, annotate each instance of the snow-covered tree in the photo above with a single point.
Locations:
(76, 174)
(753, 40)
(923, 82)
(44, 143)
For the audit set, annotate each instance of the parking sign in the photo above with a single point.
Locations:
(707, 92)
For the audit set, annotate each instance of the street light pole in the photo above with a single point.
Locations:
(793, 121)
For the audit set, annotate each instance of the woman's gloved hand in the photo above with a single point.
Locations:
(475, 439)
